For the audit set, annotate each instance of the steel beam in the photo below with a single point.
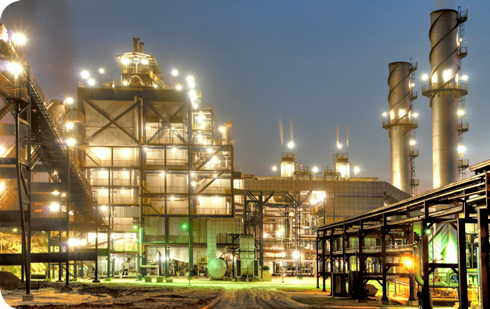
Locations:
(462, 279)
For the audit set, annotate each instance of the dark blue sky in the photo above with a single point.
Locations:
(318, 63)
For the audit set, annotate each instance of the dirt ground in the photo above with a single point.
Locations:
(85, 296)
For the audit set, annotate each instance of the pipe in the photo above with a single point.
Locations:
(136, 45)
(399, 125)
(443, 59)
(142, 47)
(418, 271)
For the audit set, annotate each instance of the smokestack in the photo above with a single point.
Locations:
(142, 47)
(399, 122)
(443, 89)
(136, 45)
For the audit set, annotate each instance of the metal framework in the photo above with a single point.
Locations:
(383, 237)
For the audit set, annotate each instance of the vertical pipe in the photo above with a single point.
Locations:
(484, 256)
(399, 123)
(444, 69)
(67, 273)
(136, 45)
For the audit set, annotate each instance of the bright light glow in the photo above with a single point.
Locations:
(314, 169)
(85, 74)
(54, 207)
(221, 129)
(70, 125)
(392, 115)
(144, 61)
(155, 86)
(356, 169)
(401, 113)
(71, 142)
(460, 112)
(192, 95)
(407, 262)
(291, 145)
(148, 127)
(193, 183)
(415, 115)
(14, 68)
(412, 85)
(101, 71)
(69, 100)
(295, 254)
(55, 192)
(123, 191)
(385, 114)
(274, 168)
(425, 77)
(125, 82)
(125, 61)
(2, 187)
(193, 174)
(15, 230)
(178, 87)
(162, 174)
(210, 150)
(465, 77)
(91, 82)
(19, 39)
(413, 142)
(175, 72)
(172, 198)
(339, 145)
(313, 201)
(174, 149)
(446, 75)
(461, 150)
(2, 151)
(103, 208)
(434, 78)
(190, 81)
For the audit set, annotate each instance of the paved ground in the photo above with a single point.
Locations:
(256, 298)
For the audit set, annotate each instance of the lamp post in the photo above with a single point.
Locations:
(96, 280)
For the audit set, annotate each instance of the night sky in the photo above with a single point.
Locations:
(318, 64)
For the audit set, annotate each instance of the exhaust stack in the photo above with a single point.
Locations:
(445, 88)
(401, 122)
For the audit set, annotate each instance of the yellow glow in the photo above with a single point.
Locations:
(295, 254)
(175, 72)
(71, 142)
(461, 150)
(392, 115)
(2, 151)
(19, 39)
(434, 78)
(314, 169)
(465, 77)
(221, 129)
(54, 207)
(85, 74)
(174, 149)
(14, 68)
(401, 113)
(210, 150)
(339, 145)
(172, 198)
(103, 208)
(69, 125)
(412, 85)
(385, 114)
(425, 77)
(407, 262)
(415, 115)
(193, 183)
(313, 200)
(274, 168)
(125, 83)
(291, 145)
(91, 82)
(446, 75)
(55, 192)
(2, 187)
(144, 61)
(125, 61)
(69, 100)
(178, 87)
(461, 112)
(356, 169)
(193, 174)
(162, 174)
(101, 71)
(413, 142)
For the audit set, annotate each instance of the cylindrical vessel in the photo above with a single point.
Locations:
(443, 59)
(399, 130)
(136, 45)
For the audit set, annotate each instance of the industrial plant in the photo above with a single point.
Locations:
(133, 179)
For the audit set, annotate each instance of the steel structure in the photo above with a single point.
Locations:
(154, 161)
(38, 139)
(401, 121)
(375, 243)
(444, 88)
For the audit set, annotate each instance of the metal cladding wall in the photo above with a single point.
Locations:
(445, 68)
(399, 132)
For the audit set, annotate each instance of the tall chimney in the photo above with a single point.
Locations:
(142, 47)
(443, 89)
(400, 121)
(136, 45)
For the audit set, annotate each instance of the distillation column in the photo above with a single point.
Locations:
(399, 121)
(443, 89)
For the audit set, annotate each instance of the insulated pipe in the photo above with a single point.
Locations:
(443, 57)
(399, 125)
(136, 45)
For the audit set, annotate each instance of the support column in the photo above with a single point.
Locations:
(384, 298)
(484, 256)
(462, 278)
(425, 265)
(318, 261)
(411, 276)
